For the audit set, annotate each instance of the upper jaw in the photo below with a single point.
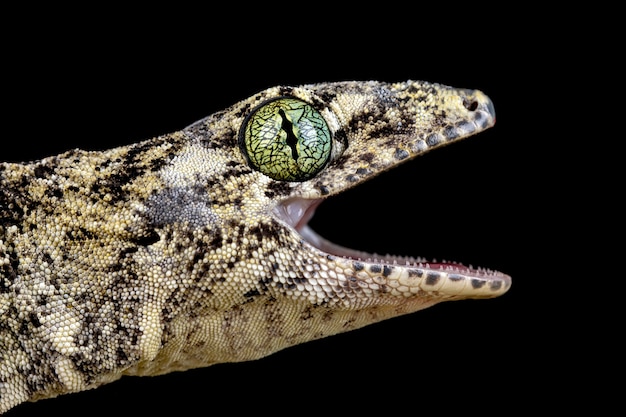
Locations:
(407, 274)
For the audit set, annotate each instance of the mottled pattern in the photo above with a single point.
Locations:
(174, 253)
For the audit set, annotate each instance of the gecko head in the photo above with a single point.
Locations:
(324, 139)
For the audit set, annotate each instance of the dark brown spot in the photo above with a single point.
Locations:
(450, 133)
(252, 293)
(150, 238)
(495, 285)
(279, 188)
(477, 283)
(465, 126)
(43, 171)
(400, 154)
(415, 273)
(432, 278)
(432, 139)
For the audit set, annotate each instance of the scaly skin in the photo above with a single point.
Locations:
(177, 252)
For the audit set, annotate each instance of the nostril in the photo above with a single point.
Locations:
(470, 105)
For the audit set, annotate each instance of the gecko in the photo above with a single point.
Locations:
(193, 248)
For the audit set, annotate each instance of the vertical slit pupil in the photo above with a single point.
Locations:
(292, 140)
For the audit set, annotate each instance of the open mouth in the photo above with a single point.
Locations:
(297, 212)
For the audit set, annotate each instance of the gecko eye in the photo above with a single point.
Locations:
(286, 139)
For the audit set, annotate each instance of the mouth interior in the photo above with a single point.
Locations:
(298, 211)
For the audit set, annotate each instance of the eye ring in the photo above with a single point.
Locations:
(286, 139)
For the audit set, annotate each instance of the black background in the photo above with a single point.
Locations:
(98, 82)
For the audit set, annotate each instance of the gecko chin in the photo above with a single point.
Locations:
(296, 212)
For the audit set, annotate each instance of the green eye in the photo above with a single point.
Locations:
(286, 139)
